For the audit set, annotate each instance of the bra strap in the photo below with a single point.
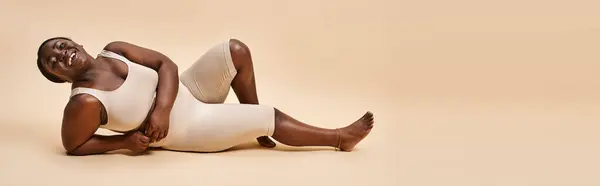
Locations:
(110, 54)
(93, 92)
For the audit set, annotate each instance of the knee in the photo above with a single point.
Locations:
(238, 47)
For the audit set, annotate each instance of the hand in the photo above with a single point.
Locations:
(136, 142)
(157, 126)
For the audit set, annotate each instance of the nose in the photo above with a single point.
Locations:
(64, 55)
(60, 54)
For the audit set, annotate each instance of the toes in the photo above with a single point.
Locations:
(367, 115)
(370, 116)
(369, 119)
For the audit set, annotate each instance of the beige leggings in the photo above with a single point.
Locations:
(201, 121)
(209, 78)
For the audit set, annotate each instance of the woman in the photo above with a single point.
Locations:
(138, 92)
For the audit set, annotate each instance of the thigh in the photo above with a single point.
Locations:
(218, 127)
(210, 77)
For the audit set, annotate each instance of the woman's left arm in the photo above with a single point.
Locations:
(168, 84)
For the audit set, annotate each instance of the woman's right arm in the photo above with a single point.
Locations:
(80, 122)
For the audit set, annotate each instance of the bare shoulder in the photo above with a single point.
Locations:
(81, 119)
(83, 99)
(137, 54)
(80, 104)
(117, 46)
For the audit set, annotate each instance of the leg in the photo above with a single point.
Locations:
(292, 132)
(224, 65)
(244, 84)
(200, 127)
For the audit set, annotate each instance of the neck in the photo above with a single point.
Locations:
(95, 67)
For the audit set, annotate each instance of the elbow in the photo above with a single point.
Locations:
(76, 152)
(167, 63)
(72, 149)
(73, 152)
(168, 66)
(172, 66)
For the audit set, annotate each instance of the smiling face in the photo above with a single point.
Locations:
(62, 58)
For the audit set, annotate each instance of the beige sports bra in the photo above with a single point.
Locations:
(128, 105)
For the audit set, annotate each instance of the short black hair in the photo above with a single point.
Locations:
(47, 74)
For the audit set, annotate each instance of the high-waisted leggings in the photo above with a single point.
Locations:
(201, 121)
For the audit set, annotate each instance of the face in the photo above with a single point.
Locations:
(65, 59)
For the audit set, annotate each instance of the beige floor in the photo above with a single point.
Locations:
(466, 93)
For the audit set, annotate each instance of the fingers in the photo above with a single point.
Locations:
(163, 135)
(151, 133)
(145, 143)
(141, 144)
(159, 136)
(148, 130)
(144, 139)
(154, 136)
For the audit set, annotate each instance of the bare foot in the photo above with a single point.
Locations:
(265, 142)
(356, 132)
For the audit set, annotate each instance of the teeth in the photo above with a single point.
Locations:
(71, 59)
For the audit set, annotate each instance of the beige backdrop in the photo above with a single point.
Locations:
(465, 92)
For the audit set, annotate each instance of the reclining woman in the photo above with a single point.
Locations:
(139, 93)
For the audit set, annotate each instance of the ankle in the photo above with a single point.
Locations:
(337, 143)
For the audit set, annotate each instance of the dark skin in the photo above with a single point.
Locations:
(84, 114)
(244, 83)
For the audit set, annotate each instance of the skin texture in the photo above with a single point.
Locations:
(292, 132)
(244, 83)
(84, 114)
